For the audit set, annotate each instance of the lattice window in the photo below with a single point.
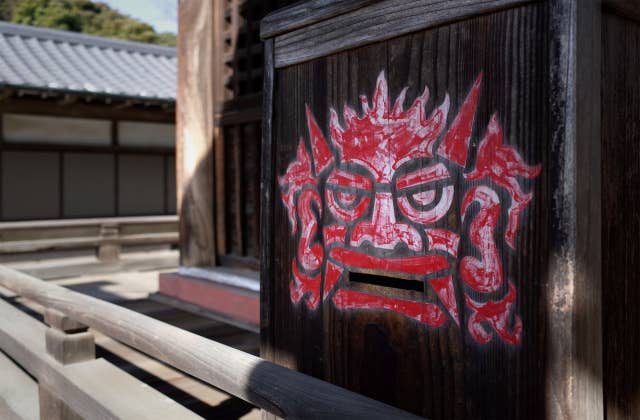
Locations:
(238, 134)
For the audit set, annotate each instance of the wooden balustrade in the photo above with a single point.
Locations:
(81, 385)
(106, 235)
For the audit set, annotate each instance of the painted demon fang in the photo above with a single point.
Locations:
(447, 294)
(361, 210)
(455, 145)
(322, 156)
(502, 164)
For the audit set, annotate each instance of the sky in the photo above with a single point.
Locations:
(161, 14)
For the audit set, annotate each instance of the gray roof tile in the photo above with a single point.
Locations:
(68, 62)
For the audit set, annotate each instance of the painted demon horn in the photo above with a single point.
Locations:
(322, 156)
(455, 145)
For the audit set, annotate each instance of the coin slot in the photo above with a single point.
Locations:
(385, 281)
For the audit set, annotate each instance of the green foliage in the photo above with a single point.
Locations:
(82, 16)
(6, 8)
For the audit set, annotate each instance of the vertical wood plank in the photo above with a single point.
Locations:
(252, 189)
(238, 190)
(574, 353)
(218, 131)
(52, 407)
(221, 228)
(114, 145)
(266, 207)
(621, 216)
(194, 139)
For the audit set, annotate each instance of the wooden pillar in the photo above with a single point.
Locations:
(574, 350)
(194, 125)
(68, 342)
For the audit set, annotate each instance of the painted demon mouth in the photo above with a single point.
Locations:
(431, 266)
(419, 265)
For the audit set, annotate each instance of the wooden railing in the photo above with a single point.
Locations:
(107, 235)
(72, 382)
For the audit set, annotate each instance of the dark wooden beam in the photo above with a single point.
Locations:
(52, 107)
(6, 93)
(306, 13)
(194, 139)
(390, 18)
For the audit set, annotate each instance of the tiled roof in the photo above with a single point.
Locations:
(67, 62)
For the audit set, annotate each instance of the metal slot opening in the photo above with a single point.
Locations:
(384, 281)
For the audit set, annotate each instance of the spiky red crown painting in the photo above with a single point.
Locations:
(381, 180)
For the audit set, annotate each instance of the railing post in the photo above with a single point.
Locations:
(68, 342)
(109, 248)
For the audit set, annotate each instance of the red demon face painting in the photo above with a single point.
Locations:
(383, 184)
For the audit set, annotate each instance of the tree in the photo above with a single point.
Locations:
(6, 8)
(82, 16)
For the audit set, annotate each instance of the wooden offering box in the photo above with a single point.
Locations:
(445, 185)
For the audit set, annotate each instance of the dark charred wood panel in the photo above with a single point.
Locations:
(242, 189)
(436, 372)
(621, 219)
(251, 178)
(237, 120)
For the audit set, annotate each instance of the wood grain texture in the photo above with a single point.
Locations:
(93, 389)
(587, 396)
(621, 219)
(70, 348)
(267, 191)
(281, 391)
(239, 64)
(306, 13)
(378, 22)
(220, 185)
(625, 8)
(440, 373)
(51, 407)
(18, 392)
(219, 78)
(61, 322)
(194, 136)
(251, 173)
(574, 352)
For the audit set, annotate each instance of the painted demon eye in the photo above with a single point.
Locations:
(347, 195)
(346, 199)
(423, 195)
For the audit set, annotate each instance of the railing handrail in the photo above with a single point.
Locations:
(281, 391)
(58, 223)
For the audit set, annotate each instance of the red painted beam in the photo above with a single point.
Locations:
(229, 301)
